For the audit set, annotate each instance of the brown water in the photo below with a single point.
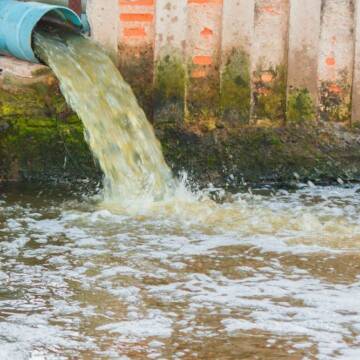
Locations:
(260, 276)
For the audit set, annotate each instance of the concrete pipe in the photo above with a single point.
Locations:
(19, 19)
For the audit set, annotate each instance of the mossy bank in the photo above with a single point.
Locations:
(42, 140)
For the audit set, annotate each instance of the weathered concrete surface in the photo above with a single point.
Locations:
(269, 59)
(203, 45)
(336, 60)
(235, 62)
(136, 46)
(237, 37)
(304, 40)
(104, 25)
(170, 61)
(24, 71)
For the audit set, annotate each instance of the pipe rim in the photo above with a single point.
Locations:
(18, 40)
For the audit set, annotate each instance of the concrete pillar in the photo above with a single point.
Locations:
(237, 36)
(204, 21)
(136, 48)
(170, 60)
(269, 63)
(356, 76)
(304, 36)
(336, 60)
(104, 23)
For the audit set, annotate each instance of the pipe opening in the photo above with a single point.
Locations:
(24, 18)
(56, 20)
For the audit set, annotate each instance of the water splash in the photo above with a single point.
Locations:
(116, 128)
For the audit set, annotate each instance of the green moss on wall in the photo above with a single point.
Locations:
(270, 93)
(40, 138)
(236, 88)
(203, 98)
(169, 99)
(300, 106)
(335, 101)
(231, 157)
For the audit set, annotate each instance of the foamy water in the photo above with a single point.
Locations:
(272, 274)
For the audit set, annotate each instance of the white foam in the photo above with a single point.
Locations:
(156, 325)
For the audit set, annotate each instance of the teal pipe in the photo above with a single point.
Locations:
(18, 21)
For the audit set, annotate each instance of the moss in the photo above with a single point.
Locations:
(236, 88)
(300, 106)
(228, 157)
(270, 93)
(203, 98)
(335, 101)
(169, 99)
(40, 138)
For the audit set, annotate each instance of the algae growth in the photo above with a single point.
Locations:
(169, 93)
(40, 138)
(270, 93)
(236, 88)
(300, 106)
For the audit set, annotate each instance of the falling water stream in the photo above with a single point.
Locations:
(151, 270)
(116, 128)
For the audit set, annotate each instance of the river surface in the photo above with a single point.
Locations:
(260, 275)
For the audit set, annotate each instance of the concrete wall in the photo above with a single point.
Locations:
(212, 63)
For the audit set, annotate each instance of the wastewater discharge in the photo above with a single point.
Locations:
(116, 128)
(162, 272)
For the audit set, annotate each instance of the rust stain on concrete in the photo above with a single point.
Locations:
(206, 32)
(330, 61)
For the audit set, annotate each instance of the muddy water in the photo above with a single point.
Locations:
(268, 275)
